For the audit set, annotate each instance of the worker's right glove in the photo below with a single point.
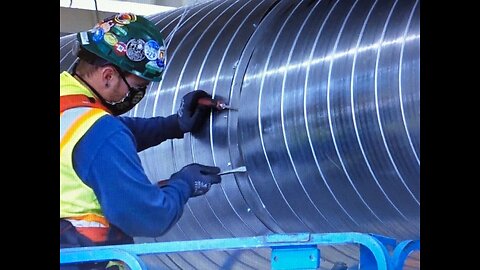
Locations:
(191, 115)
(199, 177)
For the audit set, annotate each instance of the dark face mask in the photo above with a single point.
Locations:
(134, 95)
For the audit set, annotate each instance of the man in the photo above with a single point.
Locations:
(105, 196)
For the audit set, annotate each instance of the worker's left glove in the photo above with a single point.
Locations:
(191, 115)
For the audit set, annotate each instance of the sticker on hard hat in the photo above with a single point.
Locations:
(84, 38)
(125, 18)
(135, 49)
(110, 39)
(161, 57)
(98, 34)
(151, 50)
(106, 26)
(161, 63)
(152, 65)
(119, 31)
(120, 48)
(161, 52)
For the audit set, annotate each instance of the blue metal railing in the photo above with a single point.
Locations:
(402, 251)
(289, 251)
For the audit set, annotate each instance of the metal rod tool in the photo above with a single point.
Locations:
(236, 170)
(240, 169)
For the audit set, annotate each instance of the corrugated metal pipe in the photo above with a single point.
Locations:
(328, 122)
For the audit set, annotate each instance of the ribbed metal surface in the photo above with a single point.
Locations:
(328, 94)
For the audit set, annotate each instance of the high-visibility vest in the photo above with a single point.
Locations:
(78, 202)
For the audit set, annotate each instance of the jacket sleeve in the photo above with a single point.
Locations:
(108, 162)
(152, 131)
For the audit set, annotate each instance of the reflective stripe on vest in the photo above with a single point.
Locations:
(76, 198)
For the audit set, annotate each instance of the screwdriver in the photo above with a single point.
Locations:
(240, 169)
(214, 103)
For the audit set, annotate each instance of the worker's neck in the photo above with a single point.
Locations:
(89, 85)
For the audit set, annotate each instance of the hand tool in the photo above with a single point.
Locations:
(240, 169)
(215, 103)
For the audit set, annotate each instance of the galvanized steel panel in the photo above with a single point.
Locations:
(328, 98)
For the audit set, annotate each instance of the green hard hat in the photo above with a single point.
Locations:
(129, 41)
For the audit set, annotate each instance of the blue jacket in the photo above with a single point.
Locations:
(106, 160)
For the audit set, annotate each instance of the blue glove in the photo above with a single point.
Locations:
(191, 115)
(199, 177)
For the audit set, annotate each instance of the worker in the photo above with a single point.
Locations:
(105, 196)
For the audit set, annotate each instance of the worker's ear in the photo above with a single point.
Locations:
(107, 74)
